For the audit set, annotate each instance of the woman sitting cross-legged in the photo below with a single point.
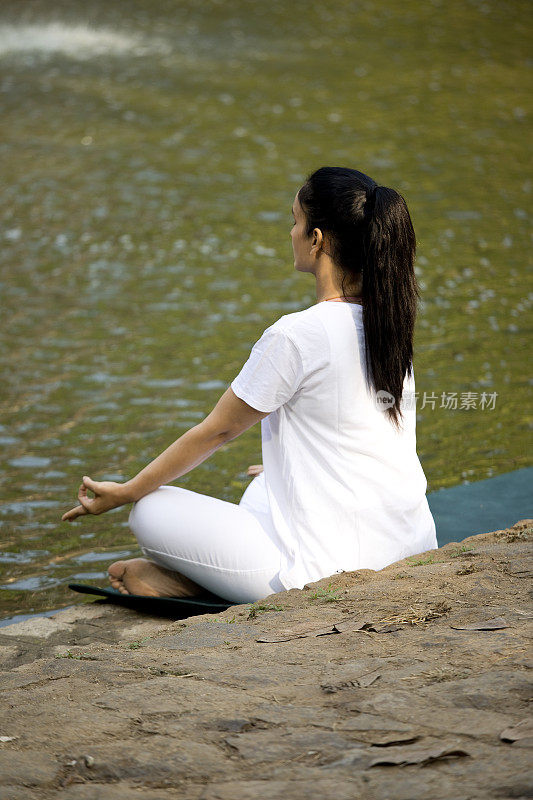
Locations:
(333, 385)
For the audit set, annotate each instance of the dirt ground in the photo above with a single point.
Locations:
(411, 683)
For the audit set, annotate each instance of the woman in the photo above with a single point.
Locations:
(342, 486)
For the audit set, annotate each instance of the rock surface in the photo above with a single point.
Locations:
(411, 683)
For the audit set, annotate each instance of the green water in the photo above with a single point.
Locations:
(149, 163)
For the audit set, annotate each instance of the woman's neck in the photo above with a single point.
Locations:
(329, 289)
(343, 299)
(329, 278)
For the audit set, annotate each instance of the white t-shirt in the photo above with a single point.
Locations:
(346, 490)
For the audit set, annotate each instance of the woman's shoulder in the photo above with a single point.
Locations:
(298, 323)
(307, 333)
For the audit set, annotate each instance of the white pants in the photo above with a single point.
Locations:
(229, 549)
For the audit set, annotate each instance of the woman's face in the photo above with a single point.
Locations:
(301, 244)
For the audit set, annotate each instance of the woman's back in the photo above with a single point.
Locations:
(345, 487)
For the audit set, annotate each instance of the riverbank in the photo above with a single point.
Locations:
(411, 682)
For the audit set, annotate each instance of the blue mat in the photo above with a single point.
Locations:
(483, 506)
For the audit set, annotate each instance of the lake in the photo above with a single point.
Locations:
(149, 164)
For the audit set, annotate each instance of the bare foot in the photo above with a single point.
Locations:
(141, 576)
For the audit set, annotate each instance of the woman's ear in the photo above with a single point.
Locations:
(317, 241)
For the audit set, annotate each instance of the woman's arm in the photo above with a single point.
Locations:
(230, 417)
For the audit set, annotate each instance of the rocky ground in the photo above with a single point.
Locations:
(411, 683)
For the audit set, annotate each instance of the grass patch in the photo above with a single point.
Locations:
(420, 562)
(261, 608)
(329, 595)
(137, 645)
(226, 621)
(459, 552)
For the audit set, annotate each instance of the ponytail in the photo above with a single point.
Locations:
(372, 237)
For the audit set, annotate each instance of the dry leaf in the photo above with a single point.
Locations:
(386, 738)
(349, 624)
(352, 624)
(299, 632)
(489, 625)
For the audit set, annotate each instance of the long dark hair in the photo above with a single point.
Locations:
(372, 237)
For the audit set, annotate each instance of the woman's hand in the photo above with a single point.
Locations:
(255, 469)
(107, 495)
